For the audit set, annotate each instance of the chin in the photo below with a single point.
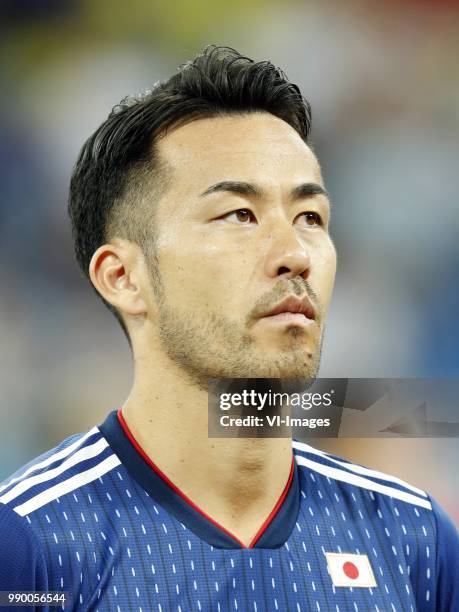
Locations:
(288, 372)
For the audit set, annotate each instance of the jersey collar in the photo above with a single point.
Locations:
(274, 532)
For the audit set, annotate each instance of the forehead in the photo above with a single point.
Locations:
(256, 147)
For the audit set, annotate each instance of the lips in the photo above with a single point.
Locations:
(294, 305)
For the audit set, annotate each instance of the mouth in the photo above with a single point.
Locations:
(293, 310)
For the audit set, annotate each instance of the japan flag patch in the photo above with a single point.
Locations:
(349, 570)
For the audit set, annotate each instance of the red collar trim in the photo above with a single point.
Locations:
(179, 492)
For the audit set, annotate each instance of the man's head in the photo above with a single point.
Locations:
(198, 207)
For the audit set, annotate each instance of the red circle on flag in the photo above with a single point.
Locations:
(350, 569)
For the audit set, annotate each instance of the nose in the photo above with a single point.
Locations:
(288, 256)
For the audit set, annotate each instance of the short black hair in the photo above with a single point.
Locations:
(120, 158)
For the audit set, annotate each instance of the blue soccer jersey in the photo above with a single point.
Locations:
(94, 517)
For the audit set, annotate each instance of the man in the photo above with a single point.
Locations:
(200, 215)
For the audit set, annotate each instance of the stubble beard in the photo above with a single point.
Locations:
(217, 348)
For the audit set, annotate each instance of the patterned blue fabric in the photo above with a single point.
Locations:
(92, 518)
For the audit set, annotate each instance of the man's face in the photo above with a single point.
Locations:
(226, 256)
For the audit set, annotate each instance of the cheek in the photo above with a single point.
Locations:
(193, 276)
(197, 254)
(324, 271)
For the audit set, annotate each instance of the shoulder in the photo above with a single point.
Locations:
(42, 508)
(346, 473)
(77, 460)
(29, 519)
(410, 515)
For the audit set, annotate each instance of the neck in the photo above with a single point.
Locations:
(235, 481)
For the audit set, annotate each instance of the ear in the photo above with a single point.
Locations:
(116, 272)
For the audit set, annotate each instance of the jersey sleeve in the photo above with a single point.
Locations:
(447, 561)
(22, 563)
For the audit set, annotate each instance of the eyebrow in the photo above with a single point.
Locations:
(304, 190)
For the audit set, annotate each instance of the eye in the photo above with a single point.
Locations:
(242, 214)
(312, 218)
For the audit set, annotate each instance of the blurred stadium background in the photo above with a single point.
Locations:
(383, 83)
